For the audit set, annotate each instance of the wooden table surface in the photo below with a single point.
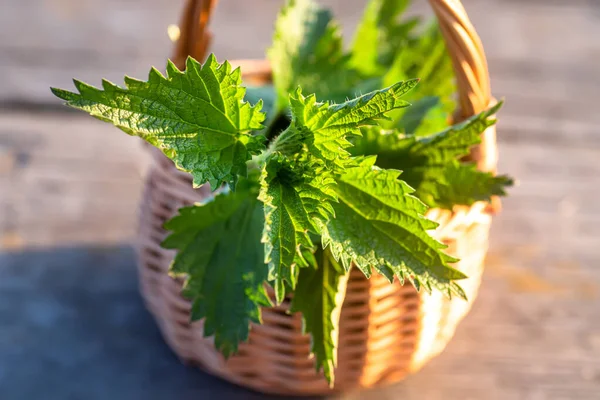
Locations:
(70, 182)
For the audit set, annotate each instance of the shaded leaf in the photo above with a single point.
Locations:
(431, 164)
(220, 256)
(307, 51)
(319, 296)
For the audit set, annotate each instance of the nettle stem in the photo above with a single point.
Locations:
(288, 142)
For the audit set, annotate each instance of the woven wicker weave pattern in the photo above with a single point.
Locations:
(386, 330)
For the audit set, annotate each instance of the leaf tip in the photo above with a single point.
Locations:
(191, 64)
(155, 75)
(495, 108)
(172, 69)
(211, 61)
(411, 83)
(62, 94)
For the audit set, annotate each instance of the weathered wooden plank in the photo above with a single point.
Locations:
(67, 178)
(67, 135)
(89, 40)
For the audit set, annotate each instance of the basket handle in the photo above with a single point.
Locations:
(194, 37)
(462, 42)
(472, 77)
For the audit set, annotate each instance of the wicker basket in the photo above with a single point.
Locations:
(386, 330)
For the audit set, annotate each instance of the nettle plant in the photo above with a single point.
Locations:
(324, 181)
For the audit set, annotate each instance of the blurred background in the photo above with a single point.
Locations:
(72, 324)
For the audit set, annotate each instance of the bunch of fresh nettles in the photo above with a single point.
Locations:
(313, 186)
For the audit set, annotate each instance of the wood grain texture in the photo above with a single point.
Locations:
(534, 332)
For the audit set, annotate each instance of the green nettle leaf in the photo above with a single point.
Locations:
(433, 167)
(424, 116)
(427, 58)
(431, 163)
(307, 51)
(380, 224)
(198, 118)
(294, 198)
(319, 296)
(380, 35)
(463, 184)
(455, 141)
(266, 94)
(325, 128)
(222, 261)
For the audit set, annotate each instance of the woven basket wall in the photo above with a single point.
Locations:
(386, 330)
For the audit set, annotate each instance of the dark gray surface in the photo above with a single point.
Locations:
(73, 326)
